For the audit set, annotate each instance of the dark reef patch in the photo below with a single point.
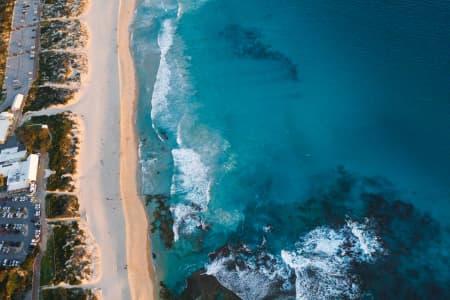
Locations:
(162, 221)
(248, 43)
(201, 286)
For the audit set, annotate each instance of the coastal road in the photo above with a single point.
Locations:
(21, 64)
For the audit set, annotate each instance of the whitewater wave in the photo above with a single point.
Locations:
(191, 179)
(318, 268)
(186, 220)
(162, 84)
(190, 183)
(323, 259)
(251, 275)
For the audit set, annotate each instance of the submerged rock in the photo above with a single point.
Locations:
(162, 218)
(205, 287)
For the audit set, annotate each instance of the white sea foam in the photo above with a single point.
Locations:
(367, 242)
(185, 220)
(323, 258)
(321, 263)
(180, 127)
(250, 283)
(190, 181)
(162, 84)
(191, 177)
(195, 170)
(172, 93)
(180, 11)
(321, 271)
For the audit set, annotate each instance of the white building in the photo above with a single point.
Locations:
(21, 174)
(12, 154)
(12, 150)
(17, 103)
(6, 121)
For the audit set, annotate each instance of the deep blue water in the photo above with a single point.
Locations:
(311, 138)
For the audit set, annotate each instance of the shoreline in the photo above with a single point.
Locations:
(141, 279)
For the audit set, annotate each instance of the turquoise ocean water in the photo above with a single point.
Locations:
(297, 149)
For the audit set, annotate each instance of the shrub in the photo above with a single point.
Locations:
(60, 206)
(44, 96)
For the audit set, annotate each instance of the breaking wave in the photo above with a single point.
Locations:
(320, 266)
(250, 274)
(322, 261)
(162, 84)
(189, 182)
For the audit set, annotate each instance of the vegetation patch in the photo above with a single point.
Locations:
(61, 34)
(35, 137)
(6, 14)
(62, 150)
(63, 8)
(66, 258)
(44, 96)
(61, 67)
(61, 206)
(68, 294)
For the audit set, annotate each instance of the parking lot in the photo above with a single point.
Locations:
(20, 64)
(19, 228)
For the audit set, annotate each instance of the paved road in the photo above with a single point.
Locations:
(21, 64)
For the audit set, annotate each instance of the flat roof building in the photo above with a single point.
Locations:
(20, 173)
(12, 142)
(12, 150)
(17, 103)
(6, 121)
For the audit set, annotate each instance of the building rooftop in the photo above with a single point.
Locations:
(20, 173)
(17, 103)
(6, 120)
(12, 142)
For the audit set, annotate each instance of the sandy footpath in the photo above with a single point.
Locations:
(140, 271)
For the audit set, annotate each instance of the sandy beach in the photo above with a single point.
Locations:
(109, 200)
(140, 270)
